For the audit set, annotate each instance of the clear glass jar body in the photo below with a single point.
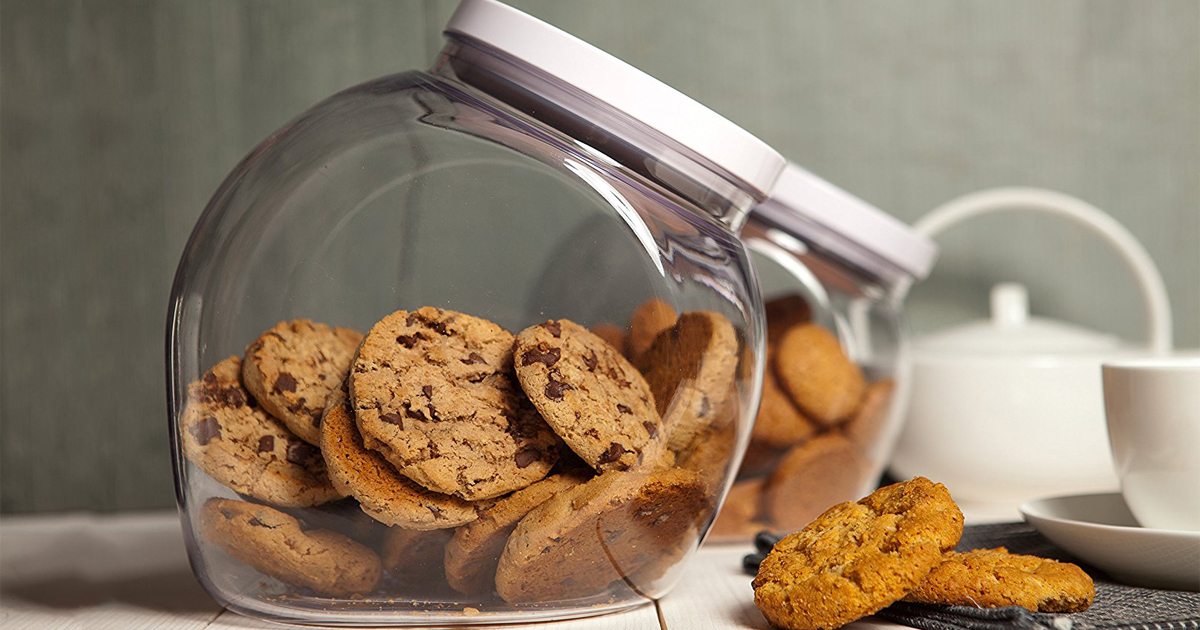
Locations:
(418, 190)
(835, 384)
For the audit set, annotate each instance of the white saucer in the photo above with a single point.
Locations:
(1100, 530)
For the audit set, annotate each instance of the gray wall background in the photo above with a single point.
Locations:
(120, 118)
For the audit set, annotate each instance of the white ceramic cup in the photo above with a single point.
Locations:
(1153, 412)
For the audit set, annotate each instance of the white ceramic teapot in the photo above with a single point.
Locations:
(1011, 409)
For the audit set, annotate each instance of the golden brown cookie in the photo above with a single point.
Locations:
(864, 426)
(229, 436)
(691, 371)
(818, 375)
(858, 558)
(827, 469)
(414, 557)
(581, 540)
(779, 424)
(783, 313)
(471, 555)
(614, 336)
(587, 392)
(292, 367)
(740, 514)
(994, 578)
(434, 392)
(650, 319)
(276, 545)
(384, 494)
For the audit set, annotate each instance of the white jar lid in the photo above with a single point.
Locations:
(815, 209)
(693, 127)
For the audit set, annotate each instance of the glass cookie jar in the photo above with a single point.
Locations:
(398, 392)
(834, 271)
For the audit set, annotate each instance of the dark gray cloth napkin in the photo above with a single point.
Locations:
(1117, 606)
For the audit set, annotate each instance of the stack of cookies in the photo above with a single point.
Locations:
(489, 460)
(818, 421)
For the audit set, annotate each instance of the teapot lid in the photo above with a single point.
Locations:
(1013, 332)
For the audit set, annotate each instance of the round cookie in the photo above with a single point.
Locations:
(292, 367)
(578, 542)
(472, 554)
(691, 371)
(994, 578)
(650, 319)
(811, 477)
(434, 392)
(276, 545)
(228, 435)
(779, 423)
(783, 313)
(818, 375)
(740, 514)
(384, 494)
(587, 392)
(614, 336)
(857, 558)
(863, 427)
(414, 557)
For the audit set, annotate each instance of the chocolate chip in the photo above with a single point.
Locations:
(206, 430)
(546, 357)
(408, 341)
(473, 358)
(234, 397)
(285, 383)
(427, 391)
(433, 414)
(618, 377)
(527, 456)
(301, 453)
(592, 433)
(412, 319)
(651, 428)
(590, 361)
(440, 328)
(623, 409)
(392, 418)
(298, 406)
(554, 327)
(266, 444)
(257, 523)
(703, 413)
(578, 415)
(614, 452)
(316, 415)
(414, 414)
(210, 378)
(555, 389)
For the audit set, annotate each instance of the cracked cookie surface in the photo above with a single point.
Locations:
(434, 392)
(230, 437)
(994, 578)
(293, 367)
(857, 558)
(382, 492)
(276, 545)
(587, 392)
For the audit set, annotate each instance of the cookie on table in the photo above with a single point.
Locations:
(587, 392)
(613, 335)
(414, 557)
(578, 542)
(382, 492)
(650, 319)
(740, 514)
(472, 554)
(691, 369)
(434, 392)
(783, 313)
(811, 477)
(816, 372)
(291, 368)
(779, 423)
(994, 578)
(864, 426)
(229, 436)
(276, 545)
(857, 558)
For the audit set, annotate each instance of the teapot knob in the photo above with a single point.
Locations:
(1010, 305)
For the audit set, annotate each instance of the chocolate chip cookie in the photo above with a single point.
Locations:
(587, 392)
(816, 372)
(228, 435)
(276, 545)
(858, 558)
(434, 392)
(994, 578)
(382, 492)
(579, 541)
(691, 371)
(292, 367)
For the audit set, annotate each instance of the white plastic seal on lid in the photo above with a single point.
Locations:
(698, 132)
(834, 220)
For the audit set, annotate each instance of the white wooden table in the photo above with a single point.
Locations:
(130, 572)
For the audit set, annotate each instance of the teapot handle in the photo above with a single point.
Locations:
(1154, 292)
